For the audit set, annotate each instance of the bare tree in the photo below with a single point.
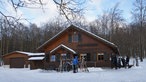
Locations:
(105, 21)
(109, 21)
(139, 15)
(70, 9)
(116, 19)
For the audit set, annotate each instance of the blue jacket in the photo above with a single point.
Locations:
(75, 61)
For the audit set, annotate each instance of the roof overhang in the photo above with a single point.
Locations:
(25, 53)
(36, 58)
(63, 46)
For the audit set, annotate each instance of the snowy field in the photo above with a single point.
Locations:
(134, 74)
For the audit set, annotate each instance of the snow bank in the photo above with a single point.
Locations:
(93, 69)
(134, 74)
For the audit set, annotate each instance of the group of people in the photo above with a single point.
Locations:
(118, 61)
(82, 64)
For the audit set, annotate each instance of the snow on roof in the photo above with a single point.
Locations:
(61, 45)
(36, 58)
(30, 54)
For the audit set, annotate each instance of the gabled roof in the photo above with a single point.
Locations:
(61, 45)
(26, 53)
(112, 45)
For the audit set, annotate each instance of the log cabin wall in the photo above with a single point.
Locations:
(97, 50)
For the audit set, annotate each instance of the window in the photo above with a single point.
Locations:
(69, 38)
(58, 57)
(47, 57)
(86, 56)
(75, 37)
(100, 56)
(68, 56)
(63, 56)
(94, 56)
(106, 56)
(82, 55)
(53, 58)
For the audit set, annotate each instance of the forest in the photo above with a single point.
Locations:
(111, 25)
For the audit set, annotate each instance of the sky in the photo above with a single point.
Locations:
(94, 8)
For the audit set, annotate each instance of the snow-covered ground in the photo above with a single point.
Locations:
(134, 74)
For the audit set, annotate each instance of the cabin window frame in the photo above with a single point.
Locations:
(87, 56)
(63, 56)
(75, 37)
(66, 56)
(53, 58)
(100, 56)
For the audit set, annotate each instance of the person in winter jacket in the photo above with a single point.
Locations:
(127, 61)
(123, 62)
(75, 63)
(114, 61)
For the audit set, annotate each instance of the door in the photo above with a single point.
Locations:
(17, 62)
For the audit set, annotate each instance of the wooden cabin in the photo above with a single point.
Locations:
(36, 62)
(19, 59)
(75, 40)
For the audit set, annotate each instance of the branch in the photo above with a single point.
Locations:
(7, 18)
(69, 8)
